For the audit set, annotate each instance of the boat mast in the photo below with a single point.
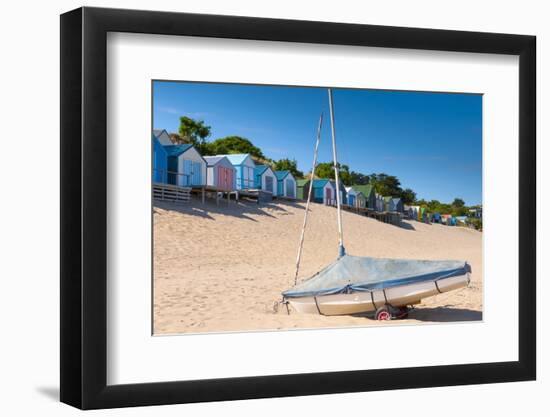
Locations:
(341, 250)
(308, 199)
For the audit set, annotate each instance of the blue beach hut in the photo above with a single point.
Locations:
(160, 161)
(286, 184)
(352, 194)
(186, 166)
(265, 179)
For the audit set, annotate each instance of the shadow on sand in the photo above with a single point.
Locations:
(445, 314)
(49, 392)
(242, 209)
(406, 226)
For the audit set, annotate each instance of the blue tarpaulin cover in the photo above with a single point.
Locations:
(350, 274)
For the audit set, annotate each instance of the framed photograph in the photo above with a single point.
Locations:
(256, 208)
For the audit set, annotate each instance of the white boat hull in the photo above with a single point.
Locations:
(363, 302)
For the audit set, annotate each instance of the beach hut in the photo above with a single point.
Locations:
(436, 218)
(387, 203)
(368, 193)
(323, 191)
(302, 188)
(355, 198)
(476, 212)
(360, 200)
(265, 179)
(461, 219)
(220, 173)
(245, 166)
(415, 212)
(343, 193)
(351, 196)
(422, 214)
(379, 202)
(286, 184)
(396, 204)
(163, 137)
(160, 161)
(388, 206)
(186, 166)
(447, 219)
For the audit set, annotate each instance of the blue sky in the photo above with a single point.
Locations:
(431, 141)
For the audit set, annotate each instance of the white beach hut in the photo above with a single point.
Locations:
(265, 179)
(186, 166)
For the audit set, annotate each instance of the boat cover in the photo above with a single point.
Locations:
(350, 274)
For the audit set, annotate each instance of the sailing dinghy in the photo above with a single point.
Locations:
(353, 284)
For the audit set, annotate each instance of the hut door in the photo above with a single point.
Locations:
(269, 184)
(187, 172)
(224, 178)
(290, 188)
(220, 181)
(196, 174)
(329, 196)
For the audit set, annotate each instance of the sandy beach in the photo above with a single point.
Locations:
(222, 268)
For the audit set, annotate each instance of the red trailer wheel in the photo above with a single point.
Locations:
(383, 313)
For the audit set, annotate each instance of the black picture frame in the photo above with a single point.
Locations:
(84, 207)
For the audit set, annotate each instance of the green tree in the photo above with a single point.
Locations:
(194, 131)
(421, 202)
(408, 196)
(434, 206)
(386, 185)
(231, 145)
(458, 202)
(475, 223)
(288, 165)
(358, 178)
(345, 175)
(459, 211)
(326, 170)
(177, 139)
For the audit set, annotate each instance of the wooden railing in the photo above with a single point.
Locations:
(170, 177)
(172, 193)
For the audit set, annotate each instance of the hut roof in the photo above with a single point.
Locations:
(281, 175)
(353, 191)
(163, 136)
(301, 182)
(320, 183)
(260, 169)
(236, 158)
(365, 189)
(177, 150)
(213, 160)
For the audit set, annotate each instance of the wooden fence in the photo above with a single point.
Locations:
(173, 193)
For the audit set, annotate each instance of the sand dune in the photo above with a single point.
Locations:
(221, 268)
